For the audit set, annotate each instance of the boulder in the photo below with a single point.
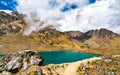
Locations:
(6, 73)
(19, 61)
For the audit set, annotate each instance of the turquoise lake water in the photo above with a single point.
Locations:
(1, 55)
(57, 57)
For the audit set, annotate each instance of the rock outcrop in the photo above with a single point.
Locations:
(11, 23)
(13, 63)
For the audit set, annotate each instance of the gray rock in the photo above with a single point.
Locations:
(19, 61)
(6, 73)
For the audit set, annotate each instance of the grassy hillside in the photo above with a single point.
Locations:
(45, 40)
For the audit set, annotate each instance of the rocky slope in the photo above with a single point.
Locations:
(11, 23)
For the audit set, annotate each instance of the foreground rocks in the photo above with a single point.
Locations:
(19, 61)
(106, 65)
(29, 63)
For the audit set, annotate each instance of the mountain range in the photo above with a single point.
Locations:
(12, 26)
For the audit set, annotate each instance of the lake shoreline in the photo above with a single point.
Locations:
(80, 61)
(69, 68)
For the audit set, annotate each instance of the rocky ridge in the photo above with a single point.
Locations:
(19, 61)
(101, 33)
(98, 34)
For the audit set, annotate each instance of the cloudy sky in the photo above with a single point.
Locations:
(65, 15)
(11, 4)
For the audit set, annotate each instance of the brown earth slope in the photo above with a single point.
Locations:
(101, 41)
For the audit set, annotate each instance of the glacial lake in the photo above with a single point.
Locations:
(2, 55)
(57, 57)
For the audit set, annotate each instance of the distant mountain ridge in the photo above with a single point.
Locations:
(101, 33)
(98, 40)
(98, 33)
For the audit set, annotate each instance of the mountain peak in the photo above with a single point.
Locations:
(73, 34)
(101, 33)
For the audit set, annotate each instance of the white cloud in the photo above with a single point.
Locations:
(102, 14)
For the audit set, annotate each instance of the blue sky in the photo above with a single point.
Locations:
(10, 5)
(7, 5)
